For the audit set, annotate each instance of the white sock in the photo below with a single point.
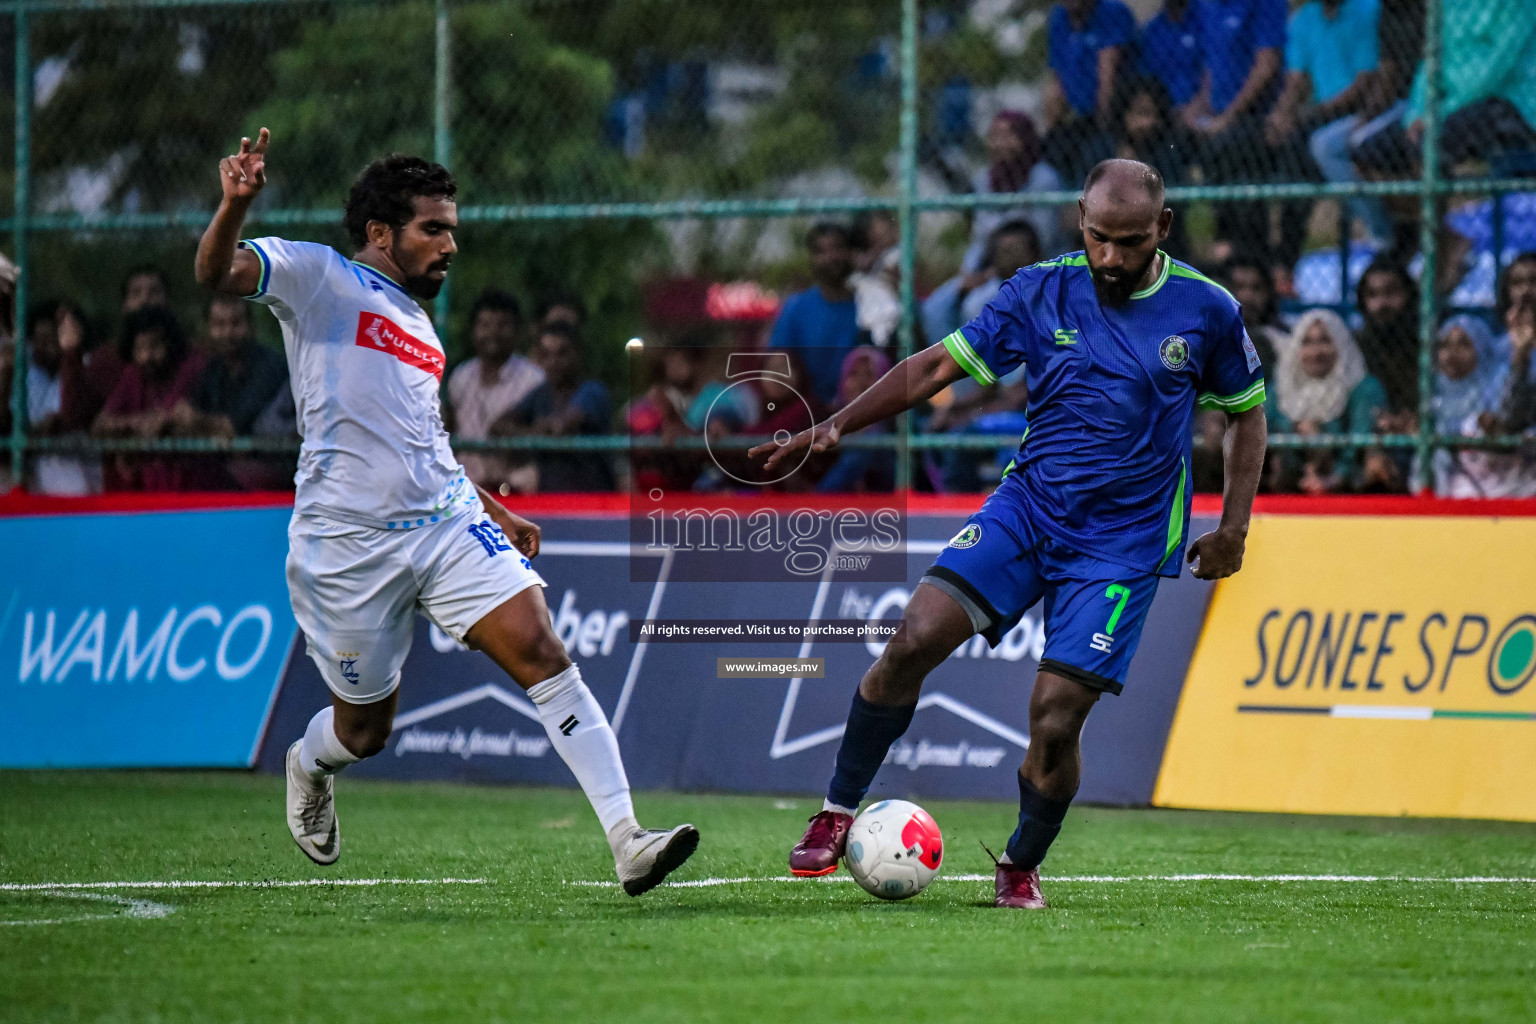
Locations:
(321, 753)
(585, 742)
(828, 805)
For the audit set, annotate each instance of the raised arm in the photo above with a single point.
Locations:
(221, 265)
(1266, 64)
(915, 379)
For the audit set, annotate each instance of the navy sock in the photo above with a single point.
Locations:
(1039, 821)
(871, 730)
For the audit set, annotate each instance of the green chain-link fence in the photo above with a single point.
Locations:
(631, 154)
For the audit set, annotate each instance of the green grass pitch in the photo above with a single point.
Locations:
(527, 945)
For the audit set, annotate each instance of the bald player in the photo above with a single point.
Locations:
(1120, 345)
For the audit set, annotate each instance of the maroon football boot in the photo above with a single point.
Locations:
(1016, 887)
(822, 846)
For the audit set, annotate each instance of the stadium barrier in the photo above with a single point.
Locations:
(679, 724)
(141, 640)
(1367, 665)
(1366, 661)
(682, 727)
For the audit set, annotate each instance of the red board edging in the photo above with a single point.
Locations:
(19, 503)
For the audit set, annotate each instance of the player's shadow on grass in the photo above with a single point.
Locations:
(681, 904)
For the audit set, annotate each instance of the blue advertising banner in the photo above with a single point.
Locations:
(142, 640)
(681, 726)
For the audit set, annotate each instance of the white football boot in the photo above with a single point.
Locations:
(647, 855)
(312, 812)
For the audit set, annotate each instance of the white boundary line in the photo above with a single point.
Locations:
(700, 883)
(302, 883)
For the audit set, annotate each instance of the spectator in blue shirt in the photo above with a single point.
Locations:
(1331, 66)
(820, 325)
(1169, 50)
(1242, 41)
(1086, 43)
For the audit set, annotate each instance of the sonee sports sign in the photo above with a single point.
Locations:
(1365, 666)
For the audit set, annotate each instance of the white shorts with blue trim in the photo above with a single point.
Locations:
(355, 591)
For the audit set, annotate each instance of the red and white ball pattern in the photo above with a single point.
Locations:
(894, 849)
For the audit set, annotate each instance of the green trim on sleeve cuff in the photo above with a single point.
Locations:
(266, 269)
(969, 361)
(1241, 402)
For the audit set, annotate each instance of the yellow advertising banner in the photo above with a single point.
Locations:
(1370, 665)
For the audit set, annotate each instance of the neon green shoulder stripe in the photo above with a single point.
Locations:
(1064, 261)
(1195, 275)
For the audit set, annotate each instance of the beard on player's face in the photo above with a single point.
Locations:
(1115, 286)
(419, 281)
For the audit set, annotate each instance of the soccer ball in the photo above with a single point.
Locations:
(894, 849)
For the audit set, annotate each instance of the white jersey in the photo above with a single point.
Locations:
(365, 365)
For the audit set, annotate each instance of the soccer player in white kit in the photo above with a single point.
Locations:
(384, 519)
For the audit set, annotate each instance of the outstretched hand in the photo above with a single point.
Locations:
(822, 437)
(1217, 554)
(243, 174)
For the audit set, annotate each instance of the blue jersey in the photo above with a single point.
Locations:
(1170, 52)
(1104, 465)
(1232, 32)
(1073, 53)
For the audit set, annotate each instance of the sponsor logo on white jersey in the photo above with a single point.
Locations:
(379, 332)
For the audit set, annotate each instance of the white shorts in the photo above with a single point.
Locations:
(355, 591)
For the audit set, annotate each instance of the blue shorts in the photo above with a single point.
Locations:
(998, 566)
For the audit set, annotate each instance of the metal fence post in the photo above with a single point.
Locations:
(442, 135)
(23, 204)
(907, 219)
(1429, 223)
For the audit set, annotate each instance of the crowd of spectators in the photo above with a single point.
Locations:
(154, 381)
(1252, 91)
(1326, 378)
(151, 381)
(1330, 372)
(1208, 91)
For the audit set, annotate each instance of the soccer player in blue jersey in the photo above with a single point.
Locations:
(1120, 345)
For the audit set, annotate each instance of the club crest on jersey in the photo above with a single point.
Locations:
(1174, 352)
(380, 333)
(967, 537)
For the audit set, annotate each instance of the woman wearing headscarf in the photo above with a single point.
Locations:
(860, 469)
(1014, 165)
(1470, 371)
(1322, 387)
